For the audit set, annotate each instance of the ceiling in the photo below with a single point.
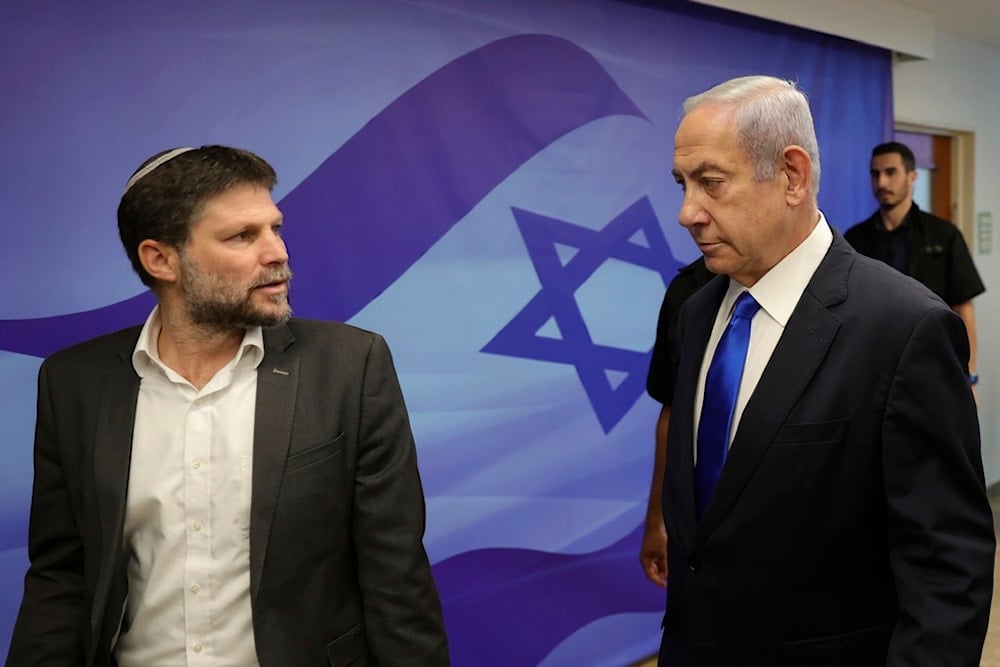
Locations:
(977, 20)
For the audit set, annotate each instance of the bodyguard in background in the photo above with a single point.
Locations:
(915, 242)
(224, 485)
(823, 495)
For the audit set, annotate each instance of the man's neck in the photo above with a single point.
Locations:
(195, 352)
(893, 217)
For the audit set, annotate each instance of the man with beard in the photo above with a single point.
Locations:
(917, 243)
(224, 484)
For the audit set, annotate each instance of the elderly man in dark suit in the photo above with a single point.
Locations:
(223, 485)
(823, 495)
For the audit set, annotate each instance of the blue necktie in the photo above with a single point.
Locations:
(722, 385)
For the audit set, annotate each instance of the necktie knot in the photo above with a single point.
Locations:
(746, 306)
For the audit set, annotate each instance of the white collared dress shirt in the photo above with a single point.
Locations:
(778, 292)
(187, 521)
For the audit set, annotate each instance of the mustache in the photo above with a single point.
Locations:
(283, 274)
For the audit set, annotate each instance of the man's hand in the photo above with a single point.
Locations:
(653, 553)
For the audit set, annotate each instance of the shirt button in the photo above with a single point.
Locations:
(196, 589)
(198, 648)
(196, 464)
(197, 526)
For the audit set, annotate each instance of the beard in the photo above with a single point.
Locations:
(221, 305)
(887, 199)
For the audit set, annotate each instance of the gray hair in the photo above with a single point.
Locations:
(771, 114)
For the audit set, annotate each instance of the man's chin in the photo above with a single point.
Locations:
(226, 318)
(717, 264)
(272, 311)
(266, 317)
(276, 322)
(274, 318)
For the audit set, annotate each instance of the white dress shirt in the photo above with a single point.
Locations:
(187, 521)
(778, 292)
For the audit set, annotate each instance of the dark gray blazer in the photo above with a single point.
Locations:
(850, 524)
(338, 572)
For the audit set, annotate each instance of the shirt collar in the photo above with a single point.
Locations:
(880, 223)
(145, 354)
(778, 291)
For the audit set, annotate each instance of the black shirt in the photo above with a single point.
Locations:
(663, 365)
(935, 253)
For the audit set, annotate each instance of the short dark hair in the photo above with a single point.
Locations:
(909, 162)
(162, 204)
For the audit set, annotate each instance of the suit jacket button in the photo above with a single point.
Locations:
(694, 564)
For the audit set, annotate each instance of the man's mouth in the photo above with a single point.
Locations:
(274, 282)
(274, 276)
(273, 289)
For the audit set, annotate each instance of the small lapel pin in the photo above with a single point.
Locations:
(278, 371)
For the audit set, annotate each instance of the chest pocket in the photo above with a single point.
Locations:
(315, 497)
(819, 433)
(314, 454)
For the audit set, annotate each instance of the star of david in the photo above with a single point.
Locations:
(621, 239)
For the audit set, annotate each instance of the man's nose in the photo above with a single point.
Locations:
(691, 213)
(274, 251)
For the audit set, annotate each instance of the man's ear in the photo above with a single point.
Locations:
(160, 260)
(797, 168)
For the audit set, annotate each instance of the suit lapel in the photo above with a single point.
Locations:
(700, 316)
(277, 387)
(112, 456)
(113, 443)
(799, 353)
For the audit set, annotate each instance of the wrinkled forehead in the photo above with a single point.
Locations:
(706, 136)
(242, 204)
(706, 122)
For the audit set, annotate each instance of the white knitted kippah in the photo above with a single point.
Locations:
(169, 155)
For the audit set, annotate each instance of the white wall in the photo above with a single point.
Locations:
(960, 89)
(886, 23)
